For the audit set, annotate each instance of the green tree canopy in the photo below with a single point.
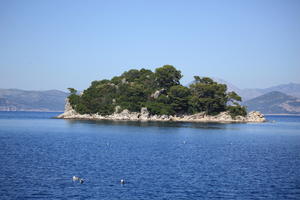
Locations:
(179, 98)
(233, 97)
(134, 89)
(208, 96)
(167, 76)
(72, 90)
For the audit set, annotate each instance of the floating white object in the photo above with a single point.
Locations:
(122, 181)
(75, 178)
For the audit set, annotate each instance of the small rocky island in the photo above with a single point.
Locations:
(143, 95)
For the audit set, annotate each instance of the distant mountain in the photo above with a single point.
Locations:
(274, 103)
(247, 94)
(53, 100)
(280, 99)
(292, 89)
(23, 100)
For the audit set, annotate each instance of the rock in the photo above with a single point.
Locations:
(154, 117)
(68, 106)
(124, 81)
(164, 117)
(117, 109)
(144, 111)
(224, 116)
(196, 116)
(69, 111)
(144, 115)
(156, 94)
(125, 112)
(255, 116)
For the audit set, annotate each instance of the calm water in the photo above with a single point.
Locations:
(39, 156)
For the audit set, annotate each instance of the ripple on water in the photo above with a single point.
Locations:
(39, 157)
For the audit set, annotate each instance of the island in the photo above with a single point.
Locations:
(144, 95)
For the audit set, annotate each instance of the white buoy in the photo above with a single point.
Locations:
(75, 178)
(122, 181)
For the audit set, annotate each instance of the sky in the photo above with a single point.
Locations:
(56, 44)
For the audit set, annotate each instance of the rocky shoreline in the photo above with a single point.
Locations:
(125, 115)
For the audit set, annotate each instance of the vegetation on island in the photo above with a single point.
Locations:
(159, 91)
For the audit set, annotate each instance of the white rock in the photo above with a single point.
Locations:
(144, 115)
(156, 94)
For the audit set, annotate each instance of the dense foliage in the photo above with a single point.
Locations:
(159, 91)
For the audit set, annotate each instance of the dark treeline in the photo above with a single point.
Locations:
(159, 91)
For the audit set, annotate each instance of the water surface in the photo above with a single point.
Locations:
(39, 155)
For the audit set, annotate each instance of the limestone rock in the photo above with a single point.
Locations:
(144, 115)
(156, 94)
(255, 116)
(117, 109)
(124, 81)
(68, 106)
(69, 111)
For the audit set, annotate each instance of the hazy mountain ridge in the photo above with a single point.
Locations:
(279, 99)
(24, 100)
(292, 89)
(274, 103)
(255, 99)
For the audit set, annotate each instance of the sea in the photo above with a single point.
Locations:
(157, 160)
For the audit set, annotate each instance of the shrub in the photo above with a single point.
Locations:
(237, 110)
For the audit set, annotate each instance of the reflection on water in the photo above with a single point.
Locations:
(199, 125)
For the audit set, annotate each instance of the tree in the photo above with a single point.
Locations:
(207, 96)
(72, 90)
(167, 76)
(131, 75)
(134, 88)
(131, 96)
(233, 97)
(237, 110)
(159, 108)
(73, 98)
(179, 98)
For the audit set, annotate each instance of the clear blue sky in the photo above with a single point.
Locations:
(57, 44)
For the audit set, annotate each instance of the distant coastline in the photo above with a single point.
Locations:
(61, 111)
(50, 111)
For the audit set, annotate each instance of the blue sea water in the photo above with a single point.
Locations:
(39, 155)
